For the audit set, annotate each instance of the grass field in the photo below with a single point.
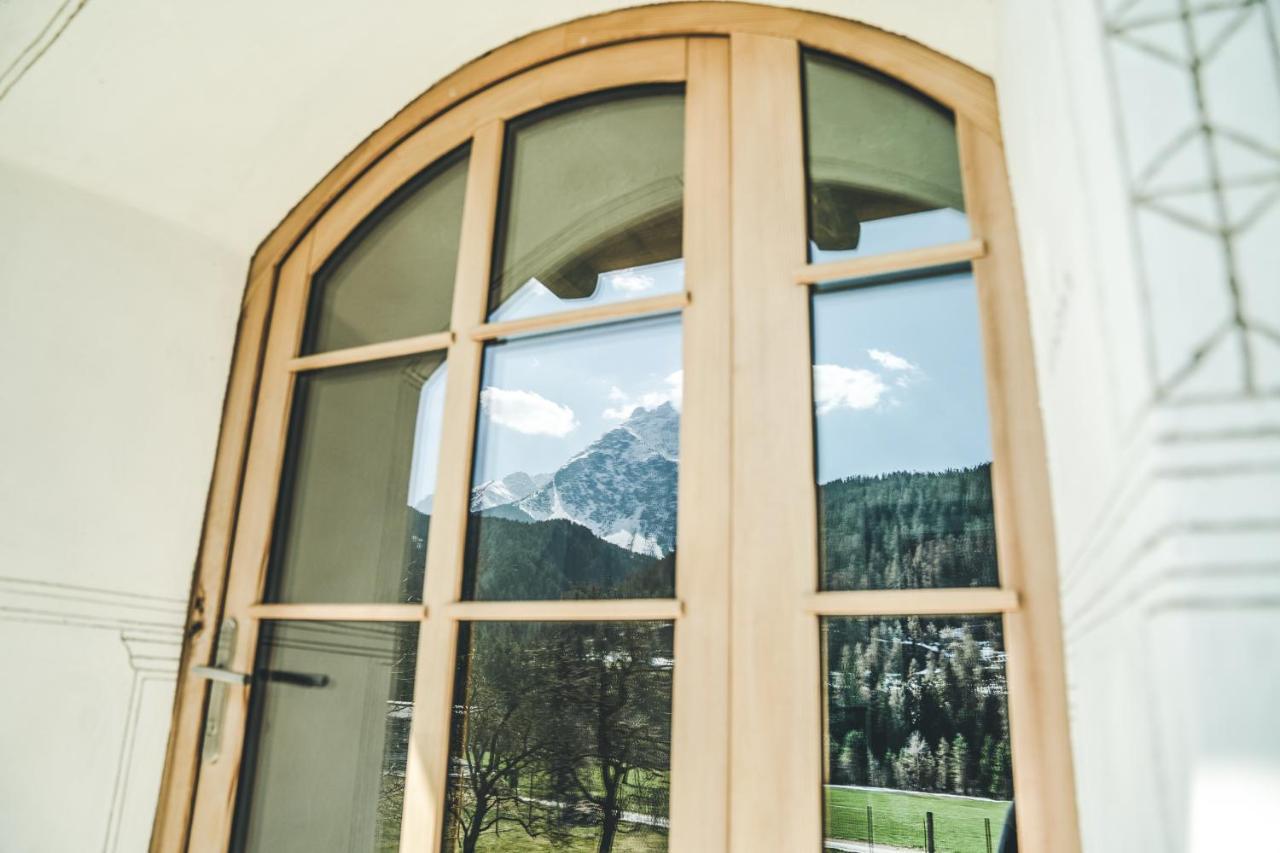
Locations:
(514, 840)
(898, 819)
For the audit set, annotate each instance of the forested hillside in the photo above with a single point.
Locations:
(908, 530)
(915, 703)
(918, 703)
(512, 560)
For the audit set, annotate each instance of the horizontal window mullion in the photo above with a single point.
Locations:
(599, 610)
(372, 352)
(914, 602)
(892, 262)
(338, 612)
(567, 319)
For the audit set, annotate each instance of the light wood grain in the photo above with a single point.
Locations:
(700, 692)
(339, 612)
(428, 759)
(775, 737)
(372, 352)
(593, 610)
(581, 317)
(1042, 765)
(911, 602)
(891, 262)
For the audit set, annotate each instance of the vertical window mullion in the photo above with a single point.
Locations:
(775, 800)
(700, 702)
(424, 805)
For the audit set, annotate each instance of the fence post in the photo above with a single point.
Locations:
(928, 832)
(987, 820)
(871, 831)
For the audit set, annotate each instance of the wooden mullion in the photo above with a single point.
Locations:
(338, 612)
(580, 317)
(910, 260)
(776, 768)
(576, 610)
(428, 762)
(914, 602)
(700, 779)
(372, 352)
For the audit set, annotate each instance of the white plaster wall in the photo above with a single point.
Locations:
(113, 330)
(146, 147)
(1162, 411)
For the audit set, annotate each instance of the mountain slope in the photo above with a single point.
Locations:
(622, 487)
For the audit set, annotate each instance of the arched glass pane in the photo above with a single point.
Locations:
(393, 277)
(884, 169)
(592, 204)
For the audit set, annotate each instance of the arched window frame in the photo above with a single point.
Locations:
(739, 786)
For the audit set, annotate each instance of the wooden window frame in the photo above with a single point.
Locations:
(747, 604)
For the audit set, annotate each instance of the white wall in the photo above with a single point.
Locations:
(113, 335)
(1162, 413)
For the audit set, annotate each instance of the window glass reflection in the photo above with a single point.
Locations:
(561, 738)
(917, 734)
(592, 204)
(328, 737)
(577, 455)
(903, 444)
(884, 169)
(359, 482)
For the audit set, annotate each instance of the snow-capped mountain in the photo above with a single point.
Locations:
(509, 489)
(622, 487)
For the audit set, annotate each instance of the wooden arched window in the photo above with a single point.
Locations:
(634, 445)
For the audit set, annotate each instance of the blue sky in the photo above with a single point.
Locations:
(546, 397)
(898, 378)
(896, 233)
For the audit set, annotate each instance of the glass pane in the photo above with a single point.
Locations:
(903, 445)
(328, 737)
(393, 277)
(359, 481)
(592, 204)
(884, 172)
(577, 453)
(561, 737)
(917, 734)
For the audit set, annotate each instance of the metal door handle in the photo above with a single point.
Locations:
(215, 673)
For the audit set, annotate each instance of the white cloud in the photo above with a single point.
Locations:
(672, 391)
(839, 387)
(890, 361)
(630, 281)
(527, 412)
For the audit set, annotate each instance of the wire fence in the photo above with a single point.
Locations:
(905, 821)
